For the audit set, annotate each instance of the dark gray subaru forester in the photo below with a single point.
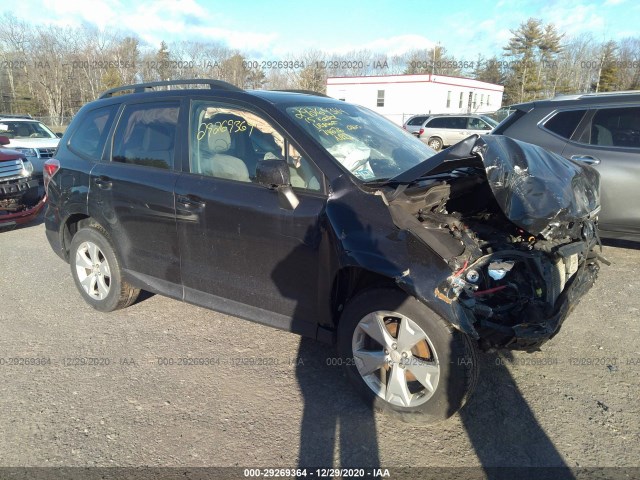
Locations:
(322, 218)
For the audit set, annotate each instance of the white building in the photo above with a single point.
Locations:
(397, 97)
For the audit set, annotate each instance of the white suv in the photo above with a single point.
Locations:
(30, 137)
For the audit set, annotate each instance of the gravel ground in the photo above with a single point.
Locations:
(575, 403)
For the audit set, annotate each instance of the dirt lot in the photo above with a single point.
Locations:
(107, 394)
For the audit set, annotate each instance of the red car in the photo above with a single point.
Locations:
(21, 196)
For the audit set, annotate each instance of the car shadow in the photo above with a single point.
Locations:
(334, 418)
(504, 430)
(337, 425)
(630, 244)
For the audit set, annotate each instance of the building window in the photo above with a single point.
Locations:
(488, 102)
(475, 100)
(481, 99)
(448, 99)
(380, 102)
(461, 99)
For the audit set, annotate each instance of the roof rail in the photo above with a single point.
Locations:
(306, 92)
(619, 92)
(145, 87)
(13, 115)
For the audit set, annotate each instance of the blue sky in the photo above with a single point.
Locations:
(275, 28)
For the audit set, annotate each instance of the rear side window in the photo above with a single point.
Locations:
(146, 135)
(89, 138)
(617, 127)
(448, 122)
(565, 123)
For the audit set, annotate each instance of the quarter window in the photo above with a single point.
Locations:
(146, 135)
(380, 102)
(90, 137)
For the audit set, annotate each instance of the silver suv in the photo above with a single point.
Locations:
(439, 131)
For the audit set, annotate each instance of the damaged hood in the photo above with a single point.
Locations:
(536, 189)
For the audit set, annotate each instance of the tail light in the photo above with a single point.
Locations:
(49, 169)
(421, 131)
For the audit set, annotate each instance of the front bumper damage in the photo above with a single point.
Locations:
(516, 228)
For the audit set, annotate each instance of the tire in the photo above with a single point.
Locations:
(435, 143)
(445, 358)
(96, 271)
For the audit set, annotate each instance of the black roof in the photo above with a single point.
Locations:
(200, 85)
(604, 98)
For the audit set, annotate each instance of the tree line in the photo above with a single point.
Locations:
(49, 70)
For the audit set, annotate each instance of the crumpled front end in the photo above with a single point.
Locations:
(517, 227)
(21, 196)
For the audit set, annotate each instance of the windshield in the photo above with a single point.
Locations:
(369, 146)
(25, 130)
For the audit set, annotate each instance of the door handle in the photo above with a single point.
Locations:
(103, 182)
(588, 159)
(190, 202)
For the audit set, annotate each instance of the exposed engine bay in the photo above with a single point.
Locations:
(512, 285)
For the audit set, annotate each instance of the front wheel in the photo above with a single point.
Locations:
(405, 359)
(96, 271)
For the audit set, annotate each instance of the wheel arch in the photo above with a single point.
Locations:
(351, 280)
(70, 227)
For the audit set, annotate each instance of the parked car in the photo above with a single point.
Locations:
(440, 131)
(30, 137)
(21, 196)
(602, 130)
(320, 217)
(415, 124)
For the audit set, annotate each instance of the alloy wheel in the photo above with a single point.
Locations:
(93, 270)
(395, 358)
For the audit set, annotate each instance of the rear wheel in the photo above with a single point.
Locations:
(405, 359)
(96, 271)
(435, 143)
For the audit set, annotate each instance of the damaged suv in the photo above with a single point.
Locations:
(322, 218)
(21, 197)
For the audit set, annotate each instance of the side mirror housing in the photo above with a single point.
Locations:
(273, 173)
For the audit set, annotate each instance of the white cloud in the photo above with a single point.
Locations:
(154, 21)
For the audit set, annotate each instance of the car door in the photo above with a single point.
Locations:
(242, 251)
(131, 194)
(609, 140)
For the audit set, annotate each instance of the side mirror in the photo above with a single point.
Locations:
(4, 141)
(59, 135)
(273, 173)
